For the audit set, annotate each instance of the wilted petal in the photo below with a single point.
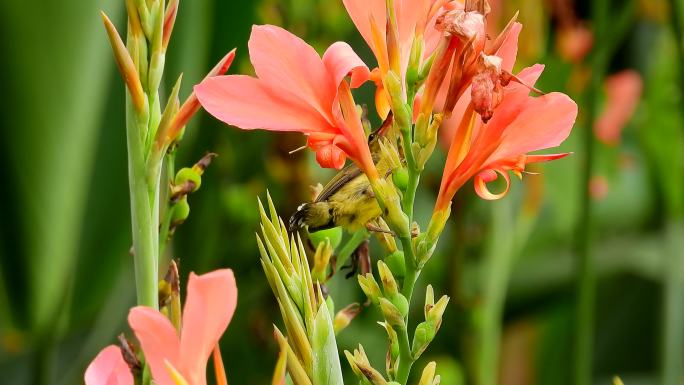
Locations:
(250, 103)
(209, 307)
(109, 368)
(158, 340)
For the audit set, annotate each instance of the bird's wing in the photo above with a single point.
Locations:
(343, 177)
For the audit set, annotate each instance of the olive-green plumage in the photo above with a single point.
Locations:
(348, 199)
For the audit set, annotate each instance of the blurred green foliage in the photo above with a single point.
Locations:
(66, 278)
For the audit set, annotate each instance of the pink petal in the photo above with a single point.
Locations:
(543, 122)
(250, 103)
(158, 340)
(361, 11)
(509, 49)
(209, 307)
(623, 91)
(109, 368)
(341, 60)
(287, 63)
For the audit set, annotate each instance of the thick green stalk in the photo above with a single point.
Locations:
(673, 334)
(586, 272)
(405, 357)
(144, 212)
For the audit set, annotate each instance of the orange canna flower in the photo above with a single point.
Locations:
(300, 91)
(520, 124)
(173, 359)
(623, 91)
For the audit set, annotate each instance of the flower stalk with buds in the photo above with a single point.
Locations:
(150, 130)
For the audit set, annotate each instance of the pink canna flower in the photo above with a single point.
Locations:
(623, 91)
(173, 359)
(109, 368)
(209, 307)
(300, 92)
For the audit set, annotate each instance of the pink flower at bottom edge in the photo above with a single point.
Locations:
(109, 368)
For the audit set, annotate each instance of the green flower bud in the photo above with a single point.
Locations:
(392, 315)
(180, 211)
(188, 174)
(334, 235)
(396, 263)
(400, 177)
(425, 333)
(370, 287)
(389, 284)
(401, 304)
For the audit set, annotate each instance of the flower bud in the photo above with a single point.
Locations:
(370, 287)
(436, 312)
(392, 315)
(386, 239)
(400, 178)
(362, 367)
(402, 116)
(425, 333)
(428, 377)
(429, 300)
(393, 340)
(324, 251)
(397, 265)
(345, 316)
(389, 285)
(180, 212)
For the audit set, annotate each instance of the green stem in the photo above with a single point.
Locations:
(405, 357)
(144, 213)
(586, 281)
(673, 336)
(168, 207)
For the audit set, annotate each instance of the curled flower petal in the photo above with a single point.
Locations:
(341, 60)
(109, 368)
(330, 156)
(487, 176)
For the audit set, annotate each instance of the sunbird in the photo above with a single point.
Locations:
(348, 199)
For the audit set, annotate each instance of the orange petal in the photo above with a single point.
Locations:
(487, 176)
